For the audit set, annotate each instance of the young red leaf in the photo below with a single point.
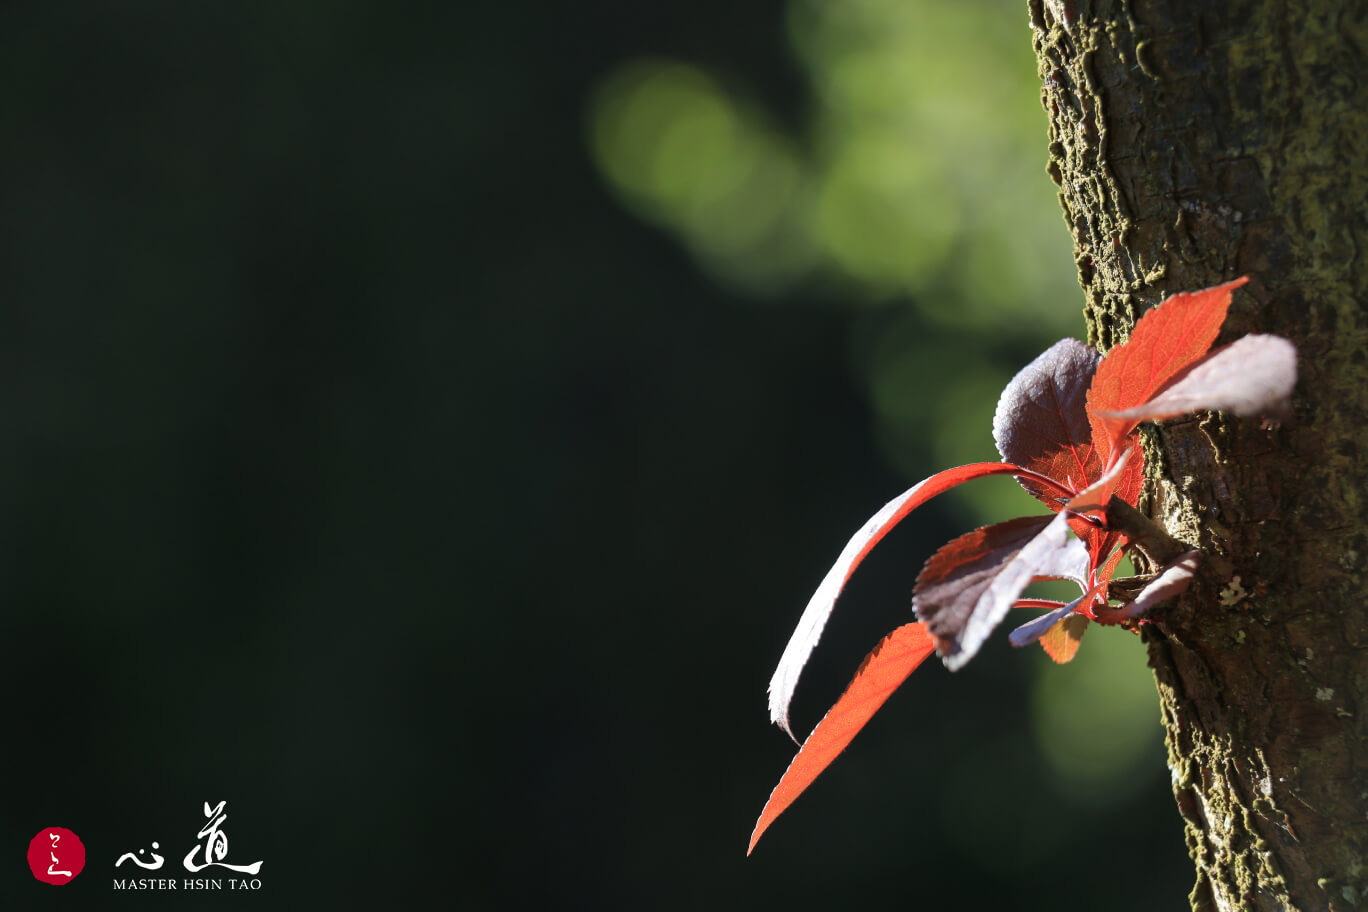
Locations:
(1093, 499)
(1165, 342)
(881, 673)
(968, 586)
(1034, 630)
(1102, 545)
(814, 618)
(1251, 377)
(1061, 641)
(1123, 480)
(1042, 419)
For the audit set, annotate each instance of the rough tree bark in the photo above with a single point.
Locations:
(1194, 141)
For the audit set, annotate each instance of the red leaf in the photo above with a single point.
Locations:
(1042, 419)
(881, 673)
(1165, 342)
(1251, 377)
(811, 624)
(968, 586)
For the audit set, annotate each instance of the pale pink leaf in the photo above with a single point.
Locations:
(1173, 581)
(1251, 377)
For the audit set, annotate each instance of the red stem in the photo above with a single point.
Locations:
(1038, 604)
(1045, 480)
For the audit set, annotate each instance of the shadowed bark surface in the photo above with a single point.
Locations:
(1193, 142)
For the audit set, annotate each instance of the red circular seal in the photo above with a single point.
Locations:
(56, 855)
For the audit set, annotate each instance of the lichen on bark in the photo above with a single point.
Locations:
(1193, 142)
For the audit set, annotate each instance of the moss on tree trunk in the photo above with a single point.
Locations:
(1193, 142)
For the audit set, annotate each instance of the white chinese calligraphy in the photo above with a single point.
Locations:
(56, 838)
(208, 854)
(215, 845)
(149, 865)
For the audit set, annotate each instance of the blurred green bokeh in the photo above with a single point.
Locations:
(918, 171)
(916, 191)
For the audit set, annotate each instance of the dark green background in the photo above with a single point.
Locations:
(367, 466)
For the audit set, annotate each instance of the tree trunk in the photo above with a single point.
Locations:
(1194, 141)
